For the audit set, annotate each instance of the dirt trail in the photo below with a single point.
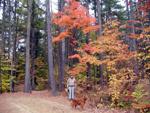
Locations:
(39, 102)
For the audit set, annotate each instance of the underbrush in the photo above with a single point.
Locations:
(100, 96)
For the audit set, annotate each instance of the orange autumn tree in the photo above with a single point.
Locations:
(108, 44)
(73, 17)
(116, 58)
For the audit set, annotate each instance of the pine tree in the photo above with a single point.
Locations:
(51, 78)
(61, 70)
(27, 67)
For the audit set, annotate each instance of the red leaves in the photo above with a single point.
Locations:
(87, 48)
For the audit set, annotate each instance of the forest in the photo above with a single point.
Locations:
(103, 44)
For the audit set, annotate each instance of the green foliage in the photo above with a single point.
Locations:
(81, 76)
(124, 104)
(5, 83)
(40, 86)
(139, 93)
(5, 74)
(41, 68)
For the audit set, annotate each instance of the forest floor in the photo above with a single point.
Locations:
(43, 102)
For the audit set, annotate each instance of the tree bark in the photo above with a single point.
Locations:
(32, 45)
(0, 76)
(3, 27)
(61, 46)
(9, 48)
(100, 33)
(32, 57)
(133, 43)
(99, 17)
(127, 10)
(15, 34)
(51, 78)
(27, 66)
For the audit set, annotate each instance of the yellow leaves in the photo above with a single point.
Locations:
(61, 36)
(114, 85)
(89, 59)
(118, 80)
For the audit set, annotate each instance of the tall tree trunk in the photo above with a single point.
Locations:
(32, 57)
(61, 46)
(9, 48)
(14, 57)
(50, 50)
(99, 17)
(88, 70)
(3, 27)
(100, 33)
(0, 74)
(14, 54)
(10, 29)
(61, 71)
(133, 43)
(27, 66)
(32, 45)
(127, 9)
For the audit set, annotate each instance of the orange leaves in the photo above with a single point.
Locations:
(61, 36)
(62, 21)
(91, 48)
(147, 29)
(90, 59)
(75, 56)
(85, 58)
(65, 20)
(74, 16)
(89, 29)
(77, 70)
(108, 45)
(138, 36)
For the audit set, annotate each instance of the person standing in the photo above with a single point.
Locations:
(71, 84)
